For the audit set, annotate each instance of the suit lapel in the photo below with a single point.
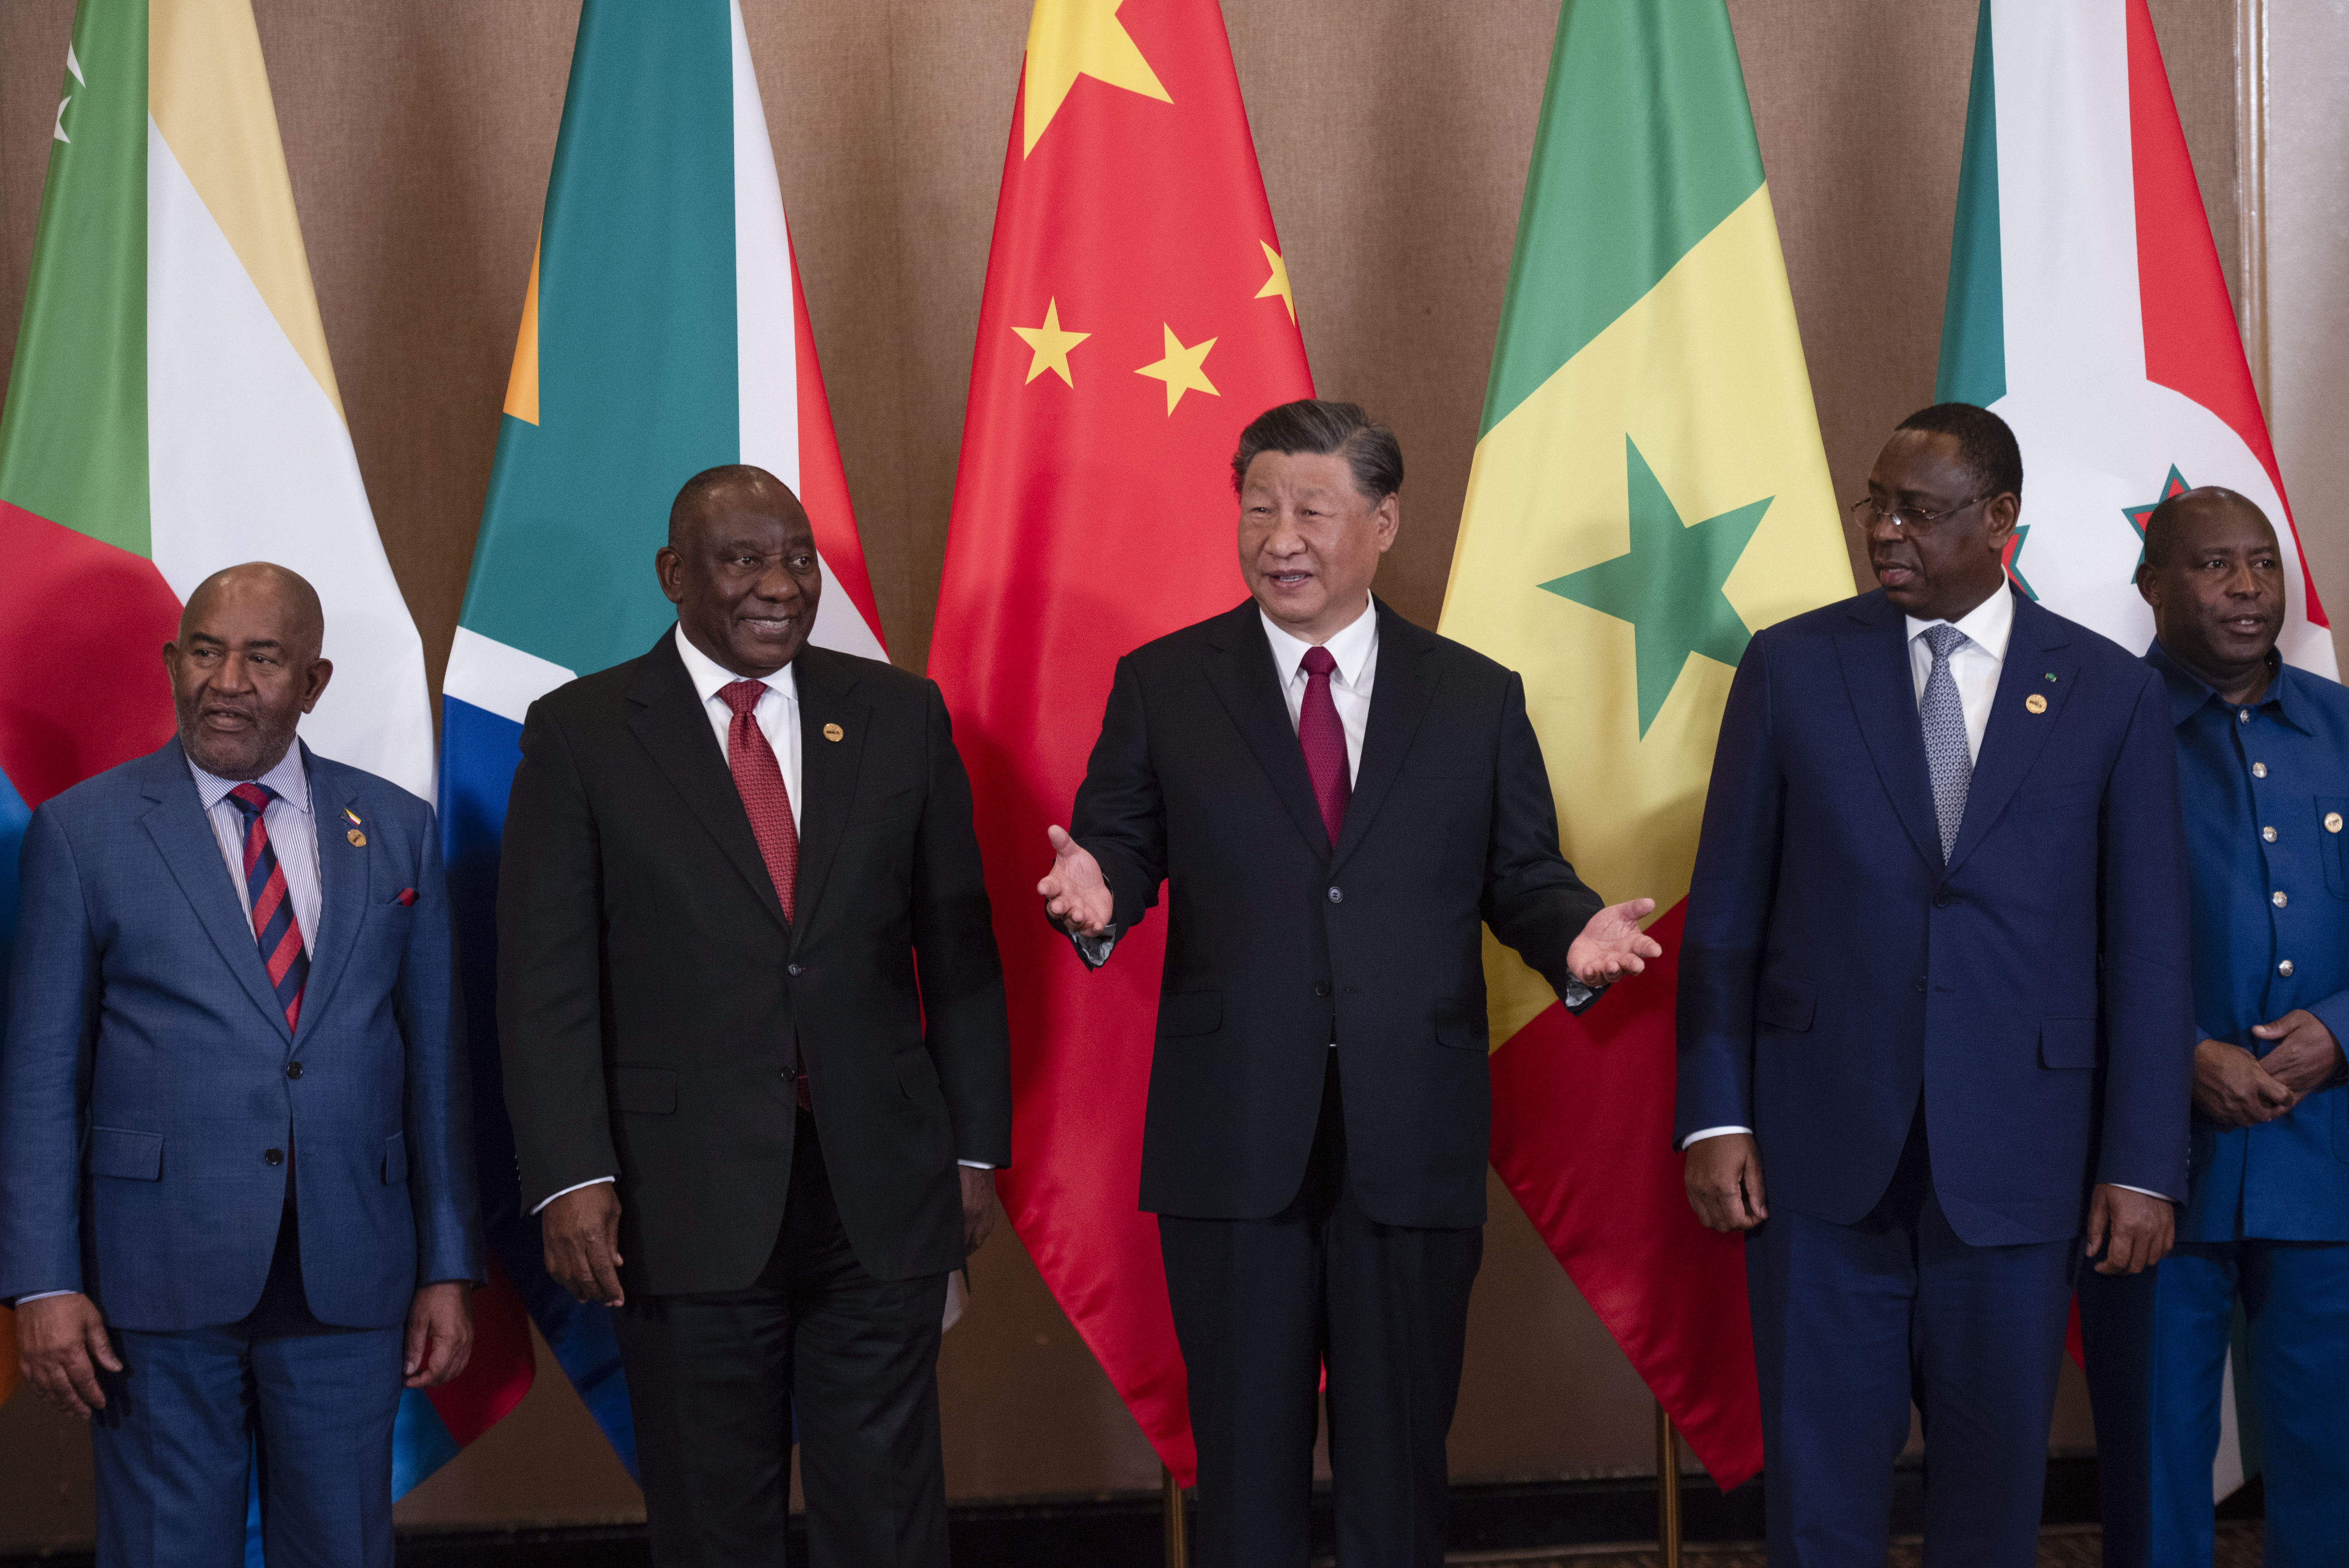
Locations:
(1883, 691)
(675, 729)
(827, 767)
(1244, 678)
(1399, 699)
(184, 837)
(2015, 736)
(342, 888)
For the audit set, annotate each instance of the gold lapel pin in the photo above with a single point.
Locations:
(834, 732)
(358, 839)
(2035, 703)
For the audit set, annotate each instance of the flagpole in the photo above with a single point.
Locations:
(1668, 1491)
(1178, 1546)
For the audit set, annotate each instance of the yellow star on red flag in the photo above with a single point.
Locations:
(1182, 369)
(1050, 344)
(1073, 39)
(1277, 285)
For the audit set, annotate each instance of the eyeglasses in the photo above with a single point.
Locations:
(1867, 511)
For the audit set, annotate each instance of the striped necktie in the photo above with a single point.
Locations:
(274, 926)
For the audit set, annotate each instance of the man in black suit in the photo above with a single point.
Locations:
(1339, 802)
(753, 1018)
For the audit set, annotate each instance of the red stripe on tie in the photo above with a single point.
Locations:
(289, 948)
(273, 893)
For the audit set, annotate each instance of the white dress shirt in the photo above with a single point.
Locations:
(1356, 650)
(778, 712)
(293, 834)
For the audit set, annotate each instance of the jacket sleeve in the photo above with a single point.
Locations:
(1120, 814)
(1532, 899)
(954, 946)
(44, 1068)
(550, 996)
(1727, 924)
(437, 1118)
(2147, 975)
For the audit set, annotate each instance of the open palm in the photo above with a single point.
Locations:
(1075, 893)
(1612, 945)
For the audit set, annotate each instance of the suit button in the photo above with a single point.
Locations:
(1943, 901)
(273, 1157)
(293, 1069)
(2278, 898)
(1337, 895)
(1320, 988)
(1920, 983)
(791, 970)
(2285, 968)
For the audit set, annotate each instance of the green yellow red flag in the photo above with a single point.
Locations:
(1649, 490)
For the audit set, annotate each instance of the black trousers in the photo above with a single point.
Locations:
(716, 1379)
(1260, 1307)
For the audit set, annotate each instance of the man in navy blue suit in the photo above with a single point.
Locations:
(236, 1192)
(1934, 983)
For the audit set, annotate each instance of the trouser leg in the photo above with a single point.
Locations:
(863, 1360)
(172, 1450)
(2296, 1295)
(2193, 1324)
(1988, 1349)
(1246, 1297)
(325, 1404)
(2116, 1339)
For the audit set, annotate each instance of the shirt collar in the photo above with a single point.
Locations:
(2188, 691)
(1350, 648)
(708, 675)
(1988, 625)
(288, 778)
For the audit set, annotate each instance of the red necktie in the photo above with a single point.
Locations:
(1324, 741)
(759, 780)
(274, 926)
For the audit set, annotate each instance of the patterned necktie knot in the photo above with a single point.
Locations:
(1318, 663)
(251, 797)
(1945, 641)
(742, 696)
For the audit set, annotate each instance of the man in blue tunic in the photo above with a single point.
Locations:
(2263, 765)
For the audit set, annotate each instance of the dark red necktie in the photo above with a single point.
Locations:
(1324, 741)
(759, 780)
(274, 926)
(767, 800)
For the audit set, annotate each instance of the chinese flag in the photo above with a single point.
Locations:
(1137, 315)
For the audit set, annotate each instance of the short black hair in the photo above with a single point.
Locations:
(1310, 427)
(1985, 445)
(2162, 524)
(695, 494)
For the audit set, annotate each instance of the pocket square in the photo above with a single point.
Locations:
(407, 898)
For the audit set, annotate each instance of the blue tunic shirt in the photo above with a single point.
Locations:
(2266, 794)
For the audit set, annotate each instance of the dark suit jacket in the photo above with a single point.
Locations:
(1275, 940)
(651, 996)
(2035, 990)
(147, 1068)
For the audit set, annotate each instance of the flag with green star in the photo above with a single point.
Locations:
(1649, 491)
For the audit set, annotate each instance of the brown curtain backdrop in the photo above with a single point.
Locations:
(1394, 136)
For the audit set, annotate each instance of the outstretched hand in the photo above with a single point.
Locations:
(1612, 945)
(1075, 893)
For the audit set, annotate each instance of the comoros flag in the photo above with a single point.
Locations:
(664, 332)
(2086, 307)
(171, 409)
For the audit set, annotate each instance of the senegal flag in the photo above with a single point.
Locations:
(1649, 490)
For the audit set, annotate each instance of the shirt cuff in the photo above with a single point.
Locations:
(974, 1164)
(574, 1187)
(2149, 1191)
(1704, 1133)
(41, 1296)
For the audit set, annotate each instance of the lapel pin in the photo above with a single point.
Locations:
(354, 816)
(834, 732)
(2035, 703)
(2051, 677)
(358, 839)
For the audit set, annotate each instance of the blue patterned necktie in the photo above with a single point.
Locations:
(1952, 764)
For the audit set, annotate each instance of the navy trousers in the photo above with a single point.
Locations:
(1854, 1323)
(2166, 1344)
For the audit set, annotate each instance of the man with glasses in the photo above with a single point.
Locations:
(1934, 985)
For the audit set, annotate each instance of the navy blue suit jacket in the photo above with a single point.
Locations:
(147, 1069)
(2035, 990)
